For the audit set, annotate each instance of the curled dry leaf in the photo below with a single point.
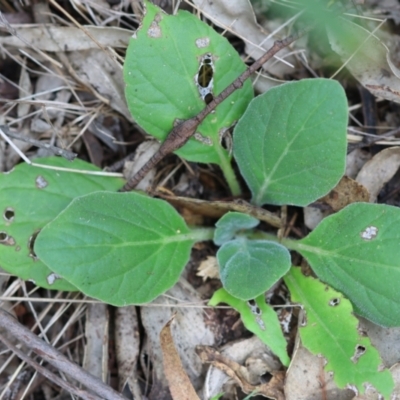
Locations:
(367, 58)
(379, 170)
(238, 17)
(273, 389)
(251, 352)
(179, 383)
(208, 268)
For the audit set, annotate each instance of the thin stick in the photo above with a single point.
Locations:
(186, 129)
(55, 358)
(48, 374)
(69, 155)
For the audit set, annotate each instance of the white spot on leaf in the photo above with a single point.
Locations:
(203, 42)
(154, 30)
(40, 182)
(203, 139)
(369, 233)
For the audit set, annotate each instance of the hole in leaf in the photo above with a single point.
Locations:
(303, 319)
(334, 302)
(31, 245)
(204, 78)
(9, 214)
(52, 278)
(359, 351)
(6, 240)
(369, 233)
(40, 182)
(208, 98)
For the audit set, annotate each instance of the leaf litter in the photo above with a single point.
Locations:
(61, 79)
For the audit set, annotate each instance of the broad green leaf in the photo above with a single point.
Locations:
(121, 248)
(249, 268)
(30, 198)
(330, 328)
(259, 318)
(357, 251)
(231, 223)
(162, 61)
(290, 144)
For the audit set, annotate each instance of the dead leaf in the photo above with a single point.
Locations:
(307, 379)
(179, 383)
(192, 326)
(127, 344)
(67, 38)
(366, 57)
(95, 358)
(208, 268)
(95, 68)
(379, 170)
(347, 191)
(143, 154)
(273, 389)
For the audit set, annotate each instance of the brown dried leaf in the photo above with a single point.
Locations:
(347, 191)
(179, 383)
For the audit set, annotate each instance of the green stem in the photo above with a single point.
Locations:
(201, 234)
(291, 244)
(229, 174)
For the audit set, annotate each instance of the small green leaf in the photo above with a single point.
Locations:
(249, 268)
(121, 248)
(357, 251)
(329, 328)
(291, 143)
(160, 71)
(30, 198)
(231, 223)
(259, 318)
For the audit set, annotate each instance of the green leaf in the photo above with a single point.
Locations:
(259, 318)
(329, 328)
(357, 252)
(231, 223)
(121, 248)
(291, 143)
(249, 268)
(162, 61)
(30, 198)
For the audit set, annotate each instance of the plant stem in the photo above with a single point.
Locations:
(291, 244)
(201, 234)
(230, 176)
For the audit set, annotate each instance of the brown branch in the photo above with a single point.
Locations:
(181, 133)
(55, 358)
(48, 374)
